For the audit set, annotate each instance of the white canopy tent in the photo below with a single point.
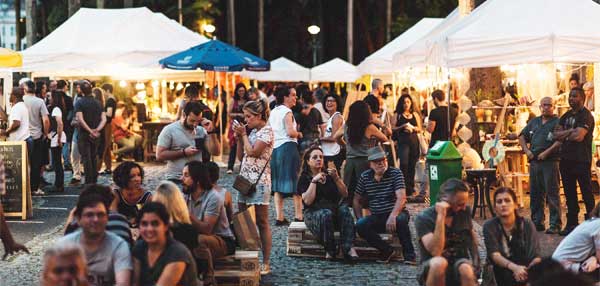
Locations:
(121, 43)
(416, 55)
(380, 62)
(336, 70)
(282, 69)
(558, 31)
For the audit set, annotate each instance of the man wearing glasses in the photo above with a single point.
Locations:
(382, 188)
(107, 255)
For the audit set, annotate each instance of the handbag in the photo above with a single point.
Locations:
(244, 186)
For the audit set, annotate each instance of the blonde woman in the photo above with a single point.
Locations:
(169, 195)
(64, 265)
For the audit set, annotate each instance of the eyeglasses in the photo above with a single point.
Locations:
(69, 269)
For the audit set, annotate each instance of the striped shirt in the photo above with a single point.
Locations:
(381, 194)
(117, 224)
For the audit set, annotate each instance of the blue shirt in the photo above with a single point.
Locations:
(381, 194)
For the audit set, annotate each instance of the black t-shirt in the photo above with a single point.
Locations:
(91, 110)
(174, 251)
(309, 124)
(110, 102)
(327, 197)
(373, 103)
(186, 234)
(440, 116)
(577, 151)
(403, 136)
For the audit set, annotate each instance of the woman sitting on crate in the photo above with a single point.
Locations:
(322, 191)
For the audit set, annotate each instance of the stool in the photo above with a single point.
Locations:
(481, 180)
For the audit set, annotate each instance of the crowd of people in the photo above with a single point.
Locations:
(295, 143)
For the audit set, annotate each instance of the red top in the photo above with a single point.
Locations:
(118, 132)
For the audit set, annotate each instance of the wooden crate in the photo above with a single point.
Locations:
(241, 260)
(239, 269)
(237, 278)
(302, 243)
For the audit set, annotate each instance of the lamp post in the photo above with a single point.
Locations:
(314, 31)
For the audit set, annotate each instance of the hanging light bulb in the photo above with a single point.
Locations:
(155, 84)
(163, 83)
(140, 86)
(179, 86)
(122, 84)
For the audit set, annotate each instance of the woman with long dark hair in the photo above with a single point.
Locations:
(511, 240)
(331, 149)
(360, 134)
(408, 125)
(158, 258)
(321, 191)
(256, 149)
(57, 138)
(285, 161)
(236, 113)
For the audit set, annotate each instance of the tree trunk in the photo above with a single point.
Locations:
(127, 3)
(231, 22)
(73, 6)
(363, 22)
(261, 28)
(388, 21)
(100, 4)
(350, 34)
(31, 23)
(17, 25)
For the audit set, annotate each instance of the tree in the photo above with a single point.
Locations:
(127, 3)
(261, 28)
(350, 32)
(231, 22)
(31, 24)
(73, 6)
(17, 24)
(100, 4)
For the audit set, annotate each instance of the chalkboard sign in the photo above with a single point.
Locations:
(17, 199)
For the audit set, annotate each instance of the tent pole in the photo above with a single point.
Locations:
(449, 101)
(394, 88)
(220, 109)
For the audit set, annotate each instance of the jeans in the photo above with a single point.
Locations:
(57, 165)
(409, 155)
(128, 144)
(573, 172)
(36, 157)
(322, 222)
(544, 183)
(88, 148)
(370, 226)
(232, 156)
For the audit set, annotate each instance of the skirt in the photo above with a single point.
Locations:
(285, 165)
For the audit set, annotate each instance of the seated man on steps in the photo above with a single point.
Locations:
(446, 238)
(208, 216)
(384, 189)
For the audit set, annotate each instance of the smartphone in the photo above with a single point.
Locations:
(330, 165)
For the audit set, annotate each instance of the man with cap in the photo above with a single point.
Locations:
(384, 190)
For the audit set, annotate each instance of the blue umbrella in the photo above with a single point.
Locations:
(215, 56)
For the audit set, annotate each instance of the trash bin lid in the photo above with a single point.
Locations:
(443, 150)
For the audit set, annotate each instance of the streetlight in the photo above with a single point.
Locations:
(314, 31)
(209, 29)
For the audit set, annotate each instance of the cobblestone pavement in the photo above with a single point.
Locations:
(285, 270)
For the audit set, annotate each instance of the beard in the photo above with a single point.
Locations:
(186, 125)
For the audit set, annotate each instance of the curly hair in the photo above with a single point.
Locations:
(357, 123)
(337, 99)
(400, 105)
(236, 96)
(121, 173)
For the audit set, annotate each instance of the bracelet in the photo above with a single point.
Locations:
(313, 182)
(183, 151)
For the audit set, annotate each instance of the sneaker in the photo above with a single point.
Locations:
(39, 192)
(351, 257)
(282, 222)
(553, 229)
(75, 181)
(410, 261)
(329, 256)
(229, 171)
(387, 257)
(105, 172)
(298, 220)
(567, 230)
(265, 269)
(540, 227)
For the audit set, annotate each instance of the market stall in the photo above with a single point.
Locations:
(282, 70)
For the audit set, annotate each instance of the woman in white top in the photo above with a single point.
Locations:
(57, 137)
(256, 149)
(18, 120)
(285, 162)
(331, 149)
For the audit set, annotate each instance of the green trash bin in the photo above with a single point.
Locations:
(443, 162)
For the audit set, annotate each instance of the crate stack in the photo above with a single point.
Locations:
(242, 268)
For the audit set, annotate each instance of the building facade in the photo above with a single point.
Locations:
(8, 29)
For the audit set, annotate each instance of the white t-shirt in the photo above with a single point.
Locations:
(277, 123)
(19, 112)
(53, 136)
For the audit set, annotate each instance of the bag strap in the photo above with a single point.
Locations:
(265, 167)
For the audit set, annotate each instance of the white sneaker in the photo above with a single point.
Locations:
(39, 192)
(265, 269)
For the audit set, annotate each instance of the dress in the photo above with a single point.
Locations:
(408, 151)
(252, 167)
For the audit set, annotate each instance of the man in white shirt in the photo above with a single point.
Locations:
(39, 126)
(18, 120)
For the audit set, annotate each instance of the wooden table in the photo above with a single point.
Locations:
(151, 130)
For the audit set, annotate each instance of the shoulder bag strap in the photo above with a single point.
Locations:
(265, 167)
